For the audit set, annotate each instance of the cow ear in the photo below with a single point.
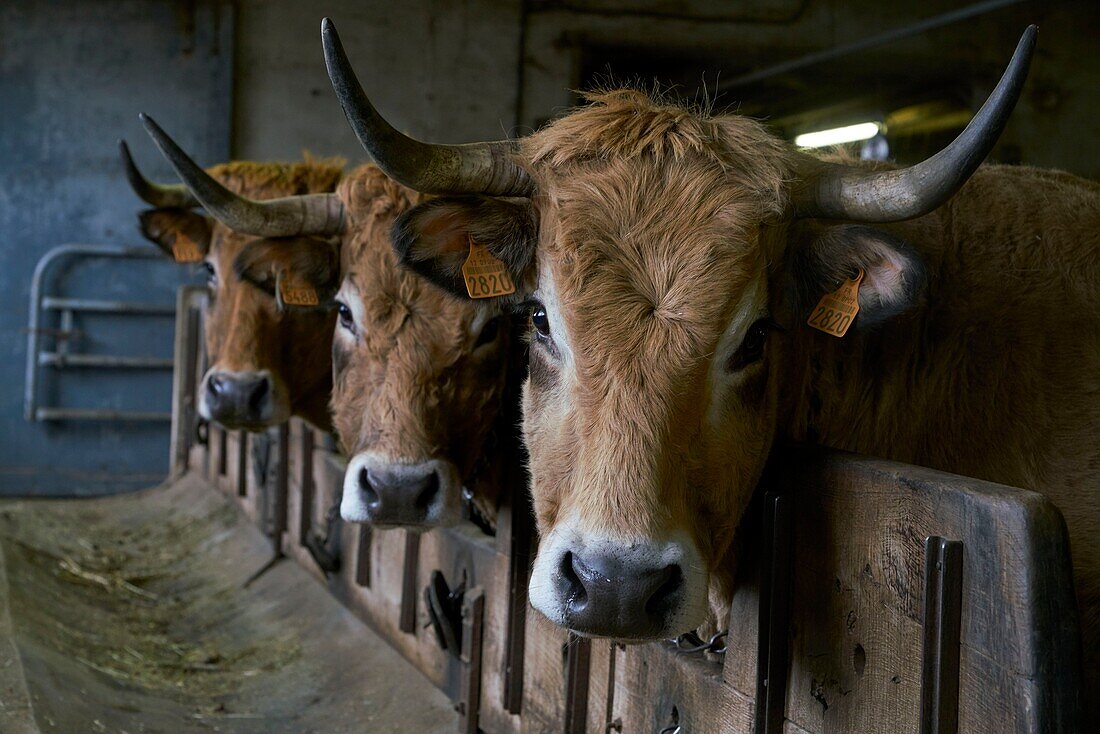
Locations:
(183, 235)
(308, 266)
(433, 239)
(824, 257)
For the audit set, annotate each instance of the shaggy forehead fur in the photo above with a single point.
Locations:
(406, 388)
(649, 220)
(273, 180)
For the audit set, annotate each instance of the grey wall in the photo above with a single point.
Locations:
(447, 71)
(444, 70)
(73, 76)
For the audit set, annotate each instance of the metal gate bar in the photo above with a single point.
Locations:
(62, 358)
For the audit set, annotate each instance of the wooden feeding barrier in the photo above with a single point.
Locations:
(872, 597)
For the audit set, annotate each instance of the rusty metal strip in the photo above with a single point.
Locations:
(519, 559)
(609, 711)
(223, 453)
(188, 397)
(242, 464)
(407, 623)
(282, 489)
(308, 486)
(362, 561)
(578, 662)
(473, 619)
(774, 616)
(939, 694)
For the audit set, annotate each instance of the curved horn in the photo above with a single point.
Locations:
(834, 191)
(317, 214)
(483, 168)
(167, 196)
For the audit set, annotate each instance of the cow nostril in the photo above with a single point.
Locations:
(216, 385)
(259, 394)
(430, 491)
(576, 596)
(369, 494)
(663, 597)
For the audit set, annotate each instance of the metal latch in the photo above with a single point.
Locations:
(445, 611)
(325, 550)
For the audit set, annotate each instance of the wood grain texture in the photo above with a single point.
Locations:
(858, 590)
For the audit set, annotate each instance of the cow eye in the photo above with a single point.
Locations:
(211, 274)
(752, 346)
(344, 314)
(540, 321)
(488, 332)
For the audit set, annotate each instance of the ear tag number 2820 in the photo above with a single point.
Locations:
(485, 275)
(836, 311)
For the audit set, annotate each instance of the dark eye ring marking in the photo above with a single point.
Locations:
(489, 332)
(752, 346)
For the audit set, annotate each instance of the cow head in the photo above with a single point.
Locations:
(667, 258)
(418, 377)
(266, 363)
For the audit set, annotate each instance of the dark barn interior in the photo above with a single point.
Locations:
(193, 542)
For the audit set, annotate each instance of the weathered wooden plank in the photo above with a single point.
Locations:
(657, 687)
(578, 663)
(544, 676)
(601, 687)
(858, 590)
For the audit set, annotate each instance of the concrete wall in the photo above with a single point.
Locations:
(447, 71)
(73, 76)
(444, 70)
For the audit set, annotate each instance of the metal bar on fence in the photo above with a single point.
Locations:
(774, 616)
(939, 693)
(578, 662)
(99, 414)
(61, 358)
(91, 305)
(407, 622)
(106, 361)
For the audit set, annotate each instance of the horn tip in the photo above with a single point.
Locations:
(1028, 38)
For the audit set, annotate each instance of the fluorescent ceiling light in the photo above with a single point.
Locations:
(838, 135)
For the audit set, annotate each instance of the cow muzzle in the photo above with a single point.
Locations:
(239, 399)
(629, 590)
(390, 493)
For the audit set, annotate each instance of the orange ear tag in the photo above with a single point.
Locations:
(485, 275)
(836, 311)
(185, 250)
(297, 294)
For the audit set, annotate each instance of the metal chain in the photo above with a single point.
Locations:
(691, 642)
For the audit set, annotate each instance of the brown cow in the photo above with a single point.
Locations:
(267, 363)
(672, 259)
(419, 377)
